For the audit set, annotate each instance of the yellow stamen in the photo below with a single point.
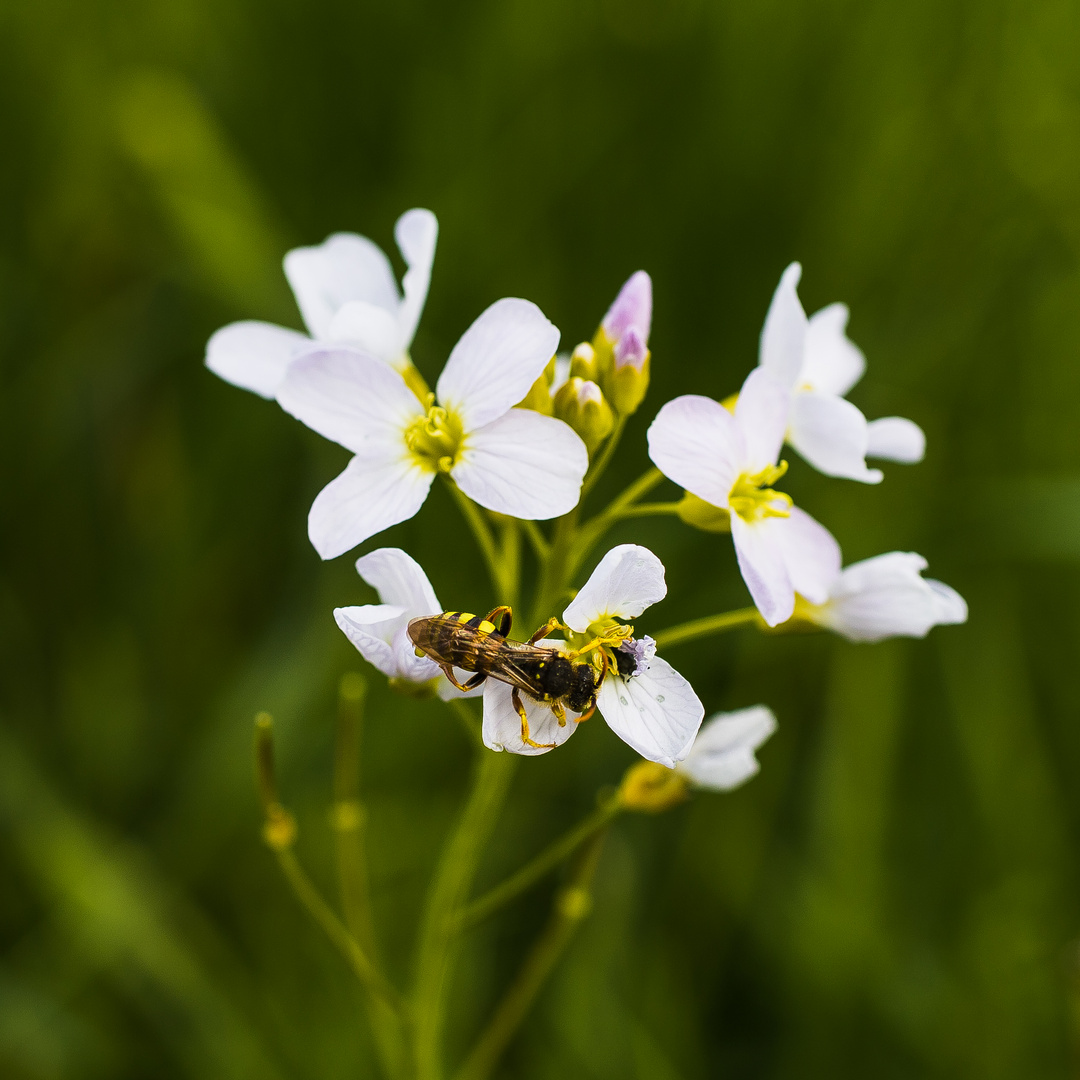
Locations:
(435, 439)
(752, 499)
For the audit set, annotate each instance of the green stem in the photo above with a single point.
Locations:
(536, 538)
(482, 531)
(346, 944)
(536, 868)
(572, 905)
(596, 470)
(654, 509)
(556, 570)
(711, 624)
(509, 562)
(449, 889)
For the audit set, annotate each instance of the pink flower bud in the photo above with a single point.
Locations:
(632, 307)
(631, 350)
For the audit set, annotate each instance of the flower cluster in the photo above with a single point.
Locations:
(518, 432)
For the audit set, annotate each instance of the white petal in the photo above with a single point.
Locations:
(399, 579)
(722, 756)
(416, 233)
(502, 725)
(761, 414)
(886, 596)
(833, 364)
(896, 439)
(344, 267)
(760, 551)
(254, 355)
(695, 442)
(811, 555)
(657, 713)
(375, 491)
(523, 464)
(496, 361)
(349, 397)
(376, 631)
(370, 328)
(783, 337)
(831, 434)
(628, 579)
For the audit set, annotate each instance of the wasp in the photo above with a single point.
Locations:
(480, 644)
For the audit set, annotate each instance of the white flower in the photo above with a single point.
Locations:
(722, 756)
(886, 596)
(512, 461)
(817, 362)
(380, 631)
(347, 294)
(656, 712)
(730, 461)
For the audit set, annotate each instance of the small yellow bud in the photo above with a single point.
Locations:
(581, 404)
(627, 384)
(703, 515)
(279, 829)
(649, 788)
(574, 903)
(583, 362)
(539, 396)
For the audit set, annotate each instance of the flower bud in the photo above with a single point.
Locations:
(628, 379)
(651, 788)
(632, 307)
(703, 515)
(539, 397)
(583, 362)
(581, 404)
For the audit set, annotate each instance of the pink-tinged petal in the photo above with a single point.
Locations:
(811, 554)
(632, 307)
(399, 579)
(831, 434)
(631, 350)
(254, 355)
(761, 414)
(695, 442)
(759, 548)
(657, 713)
(344, 267)
(523, 464)
(895, 439)
(628, 579)
(502, 724)
(783, 337)
(369, 328)
(375, 491)
(833, 363)
(416, 233)
(722, 756)
(349, 397)
(496, 361)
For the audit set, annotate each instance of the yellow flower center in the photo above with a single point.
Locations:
(435, 439)
(752, 499)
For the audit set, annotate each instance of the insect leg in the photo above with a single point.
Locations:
(476, 680)
(502, 618)
(603, 674)
(448, 671)
(515, 697)
(551, 624)
(560, 712)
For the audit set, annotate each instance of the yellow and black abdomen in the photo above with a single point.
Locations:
(458, 638)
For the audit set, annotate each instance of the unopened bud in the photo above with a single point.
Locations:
(583, 362)
(632, 307)
(539, 396)
(581, 404)
(628, 379)
(650, 788)
(703, 515)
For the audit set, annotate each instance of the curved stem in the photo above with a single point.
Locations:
(536, 868)
(482, 531)
(711, 624)
(597, 468)
(451, 885)
(536, 538)
(655, 509)
(572, 905)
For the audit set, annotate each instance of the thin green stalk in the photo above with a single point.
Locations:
(536, 538)
(556, 569)
(572, 905)
(538, 867)
(596, 470)
(711, 624)
(346, 944)
(452, 883)
(482, 531)
(655, 509)
(509, 562)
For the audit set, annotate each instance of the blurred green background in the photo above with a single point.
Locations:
(896, 894)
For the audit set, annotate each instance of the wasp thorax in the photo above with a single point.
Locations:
(752, 498)
(582, 691)
(556, 676)
(435, 438)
